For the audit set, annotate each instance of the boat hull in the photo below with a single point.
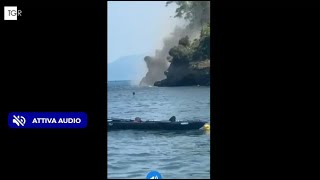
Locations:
(155, 125)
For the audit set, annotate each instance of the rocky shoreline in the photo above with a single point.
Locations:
(188, 75)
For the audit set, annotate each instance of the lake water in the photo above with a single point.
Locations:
(174, 154)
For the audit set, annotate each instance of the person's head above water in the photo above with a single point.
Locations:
(137, 119)
(172, 119)
(133, 93)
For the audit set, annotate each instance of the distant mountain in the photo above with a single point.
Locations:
(130, 67)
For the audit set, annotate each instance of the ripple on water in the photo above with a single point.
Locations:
(132, 154)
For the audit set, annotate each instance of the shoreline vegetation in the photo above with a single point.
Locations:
(187, 63)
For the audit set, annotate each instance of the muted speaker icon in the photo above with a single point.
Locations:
(19, 120)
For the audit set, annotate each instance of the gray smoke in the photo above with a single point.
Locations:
(159, 63)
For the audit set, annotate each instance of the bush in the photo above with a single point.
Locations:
(184, 41)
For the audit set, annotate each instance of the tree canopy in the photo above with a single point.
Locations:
(196, 12)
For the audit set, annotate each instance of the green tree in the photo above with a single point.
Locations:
(196, 12)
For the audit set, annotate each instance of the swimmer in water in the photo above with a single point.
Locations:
(133, 93)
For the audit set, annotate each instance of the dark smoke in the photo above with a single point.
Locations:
(160, 62)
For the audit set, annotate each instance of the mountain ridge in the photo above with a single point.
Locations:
(129, 67)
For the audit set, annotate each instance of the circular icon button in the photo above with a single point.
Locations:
(154, 175)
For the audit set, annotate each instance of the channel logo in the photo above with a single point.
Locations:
(11, 13)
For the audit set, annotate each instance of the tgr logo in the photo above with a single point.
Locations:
(11, 13)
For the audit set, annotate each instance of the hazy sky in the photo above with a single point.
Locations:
(138, 27)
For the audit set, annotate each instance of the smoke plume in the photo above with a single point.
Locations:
(159, 63)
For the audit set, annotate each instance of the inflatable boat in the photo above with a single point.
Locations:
(114, 124)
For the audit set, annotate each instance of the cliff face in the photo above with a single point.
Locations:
(190, 62)
(187, 75)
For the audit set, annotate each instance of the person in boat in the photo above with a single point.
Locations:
(137, 119)
(172, 119)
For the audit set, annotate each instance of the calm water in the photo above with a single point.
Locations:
(132, 154)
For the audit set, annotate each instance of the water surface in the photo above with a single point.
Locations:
(175, 154)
